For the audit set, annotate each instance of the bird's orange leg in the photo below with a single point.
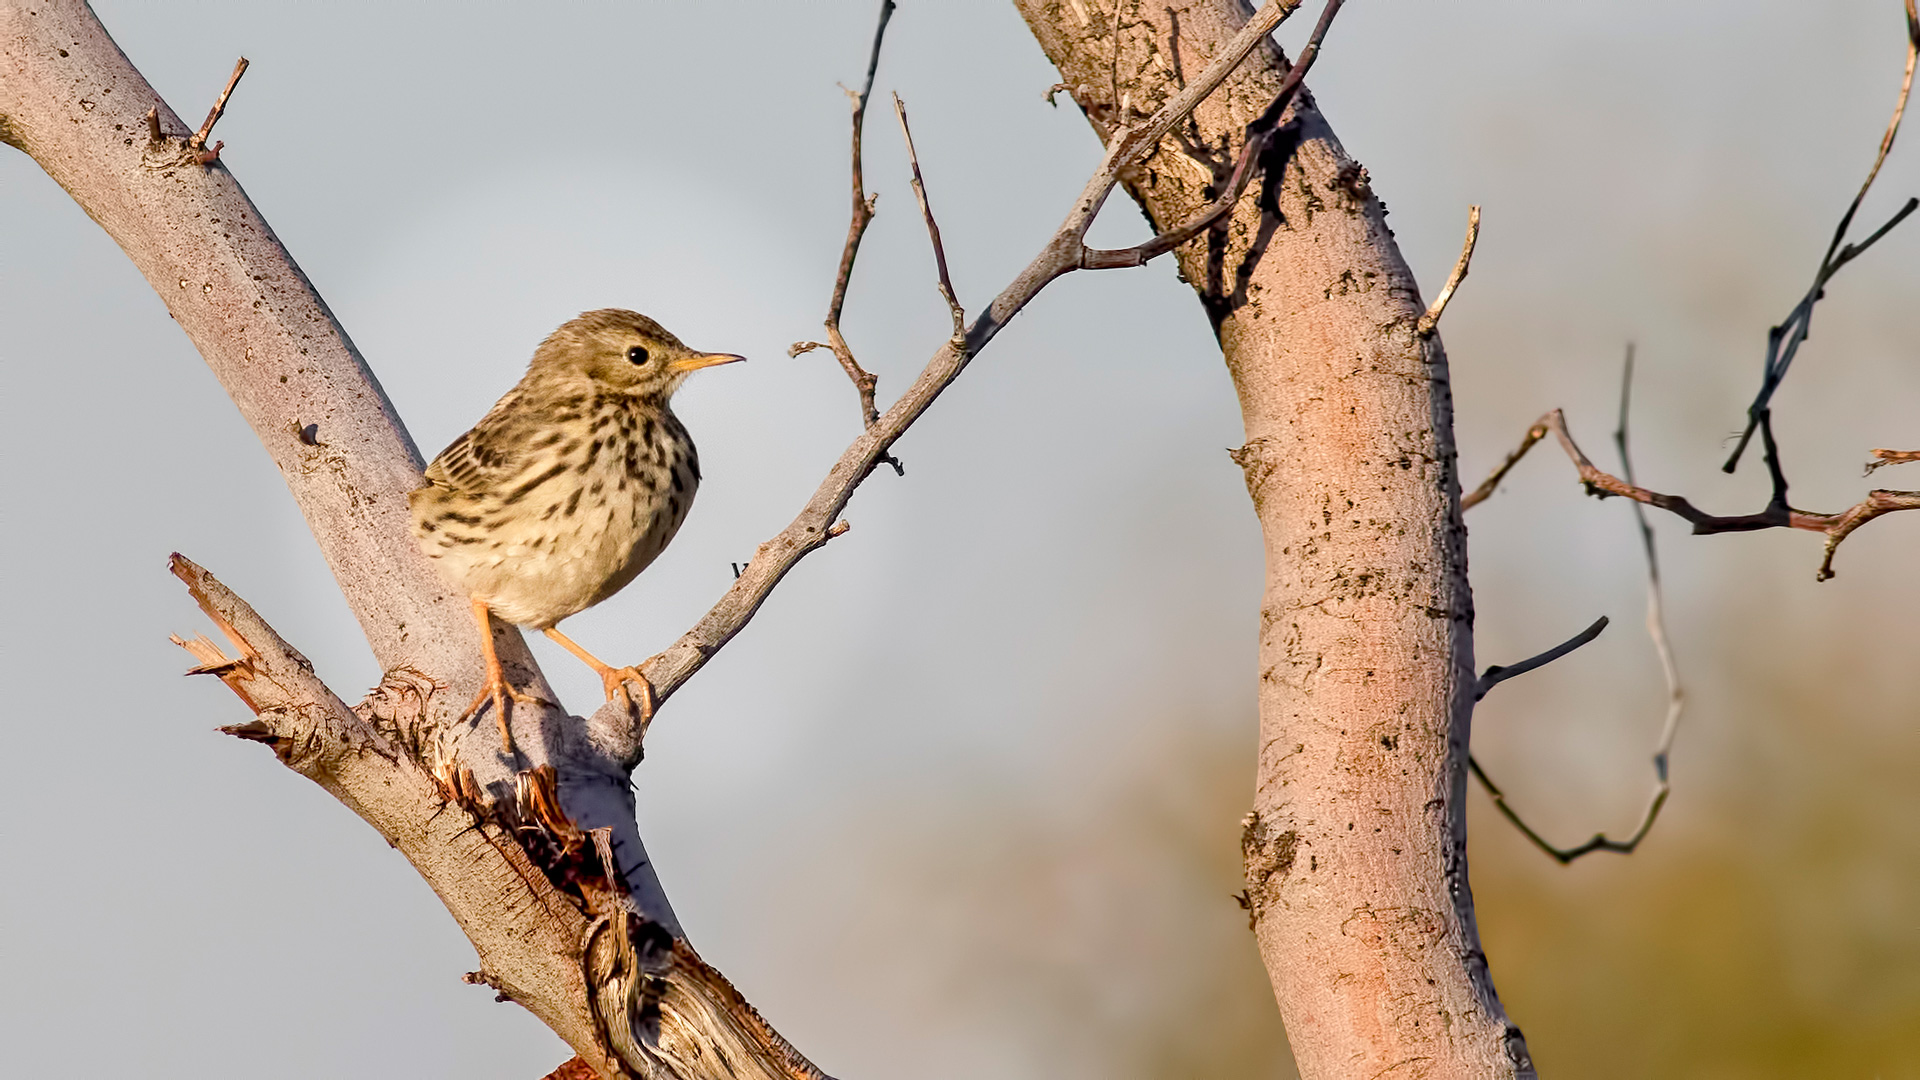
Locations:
(496, 687)
(614, 679)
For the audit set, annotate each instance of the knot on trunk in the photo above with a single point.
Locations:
(1268, 852)
(1257, 460)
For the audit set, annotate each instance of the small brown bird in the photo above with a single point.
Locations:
(568, 487)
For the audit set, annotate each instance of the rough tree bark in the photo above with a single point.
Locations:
(1356, 844)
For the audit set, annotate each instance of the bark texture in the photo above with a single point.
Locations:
(1356, 844)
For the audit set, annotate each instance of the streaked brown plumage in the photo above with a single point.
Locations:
(568, 487)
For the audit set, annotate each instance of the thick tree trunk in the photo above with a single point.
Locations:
(1356, 845)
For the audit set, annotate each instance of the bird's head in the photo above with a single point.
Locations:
(623, 351)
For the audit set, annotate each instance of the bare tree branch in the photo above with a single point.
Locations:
(1431, 319)
(1656, 619)
(1599, 842)
(933, 229)
(1497, 674)
(1258, 135)
(1784, 340)
(1890, 457)
(1062, 254)
(1778, 514)
(1657, 631)
(198, 140)
(476, 865)
(1486, 489)
(864, 381)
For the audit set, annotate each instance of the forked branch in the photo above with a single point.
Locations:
(1777, 515)
(1063, 253)
(1784, 340)
(864, 381)
(1258, 135)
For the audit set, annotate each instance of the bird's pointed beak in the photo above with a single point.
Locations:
(701, 360)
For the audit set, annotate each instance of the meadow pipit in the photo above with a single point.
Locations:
(566, 489)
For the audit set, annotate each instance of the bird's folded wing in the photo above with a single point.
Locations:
(486, 457)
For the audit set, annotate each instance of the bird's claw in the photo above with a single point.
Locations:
(616, 679)
(499, 691)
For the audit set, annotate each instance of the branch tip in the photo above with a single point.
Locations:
(959, 337)
(1487, 487)
(1884, 457)
(1497, 674)
(199, 138)
(1784, 341)
(1431, 320)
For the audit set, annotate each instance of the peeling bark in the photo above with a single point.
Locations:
(1356, 845)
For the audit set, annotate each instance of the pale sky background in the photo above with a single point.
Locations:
(963, 800)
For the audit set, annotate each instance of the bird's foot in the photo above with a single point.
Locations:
(498, 690)
(616, 681)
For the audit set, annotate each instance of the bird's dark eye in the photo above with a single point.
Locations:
(637, 355)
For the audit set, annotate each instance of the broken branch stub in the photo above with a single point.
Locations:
(545, 903)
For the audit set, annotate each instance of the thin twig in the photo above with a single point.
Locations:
(1497, 674)
(1656, 618)
(1600, 842)
(1060, 255)
(933, 229)
(1676, 696)
(1784, 340)
(199, 138)
(1485, 491)
(153, 125)
(864, 381)
(1431, 319)
(1258, 134)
